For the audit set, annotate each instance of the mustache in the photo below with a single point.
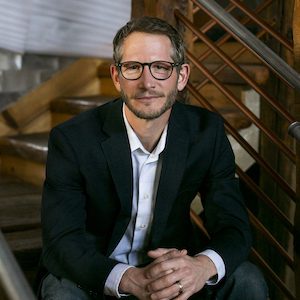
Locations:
(148, 94)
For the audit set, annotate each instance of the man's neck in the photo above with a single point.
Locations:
(148, 131)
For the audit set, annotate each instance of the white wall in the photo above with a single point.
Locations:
(62, 27)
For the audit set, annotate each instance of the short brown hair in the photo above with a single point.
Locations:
(154, 26)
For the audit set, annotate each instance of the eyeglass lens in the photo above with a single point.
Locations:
(159, 69)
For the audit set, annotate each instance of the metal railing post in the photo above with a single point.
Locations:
(294, 130)
(12, 279)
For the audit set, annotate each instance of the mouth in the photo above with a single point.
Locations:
(147, 97)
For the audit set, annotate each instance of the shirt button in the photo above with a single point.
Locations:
(142, 226)
(146, 196)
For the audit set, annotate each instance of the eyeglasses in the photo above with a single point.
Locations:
(133, 70)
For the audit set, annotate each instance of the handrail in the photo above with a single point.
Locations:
(294, 130)
(272, 274)
(234, 56)
(235, 67)
(265, 198)
(277, 64)
(244, 21)
(245, 145)
(207, 26)
(11, 277)
(269, 237)
(262, 196)
(264, 25)
(242, 108)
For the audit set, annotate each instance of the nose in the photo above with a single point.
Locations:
(147, 80)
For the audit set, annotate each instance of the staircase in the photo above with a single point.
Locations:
(24, 128)
(20, 223)
(23, 145)
(19, 73)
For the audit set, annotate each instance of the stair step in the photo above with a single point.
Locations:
(220, 102)
(76, 105)
(27, 248)
(229, 48)
(20, 206)
(259, 73)
(28, 146)
(24, 241)
(24, 156)
(20, 212)
(64, 108)
(11, 186)
(104, 69)
(235, 118)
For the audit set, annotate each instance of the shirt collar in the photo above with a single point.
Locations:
(135, 143)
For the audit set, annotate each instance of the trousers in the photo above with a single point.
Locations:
(247, 283)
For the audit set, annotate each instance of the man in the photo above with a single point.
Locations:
(120, 181)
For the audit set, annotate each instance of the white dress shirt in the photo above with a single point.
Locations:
(146, 173)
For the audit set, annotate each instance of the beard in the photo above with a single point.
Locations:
(153, 114)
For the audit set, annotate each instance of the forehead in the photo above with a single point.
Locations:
(147, 47)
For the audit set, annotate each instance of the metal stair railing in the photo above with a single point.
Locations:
(236, 29)
(227, 21)
(12, 279)
(279, 66)
(294, 130)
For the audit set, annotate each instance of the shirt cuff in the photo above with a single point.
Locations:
(219, 264)
(111, 287)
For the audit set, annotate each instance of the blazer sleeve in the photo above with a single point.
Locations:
(225, 215)
(69, 251)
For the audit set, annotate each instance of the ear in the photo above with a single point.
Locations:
(114, 73)
(183, 76)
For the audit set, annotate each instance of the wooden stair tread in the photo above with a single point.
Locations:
(228, 111)
(20, 212)
(259, 73)
(32, 146)
(20, 205)
(24, 241)
(235, 117)
(229, 48)
(75, 105)
(104, 69)
(11, 186)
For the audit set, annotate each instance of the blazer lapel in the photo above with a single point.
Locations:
(173, 166)
(116, 148)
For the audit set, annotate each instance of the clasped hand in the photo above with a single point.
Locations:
(172, 274)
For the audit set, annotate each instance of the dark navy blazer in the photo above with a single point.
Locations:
(87, 195)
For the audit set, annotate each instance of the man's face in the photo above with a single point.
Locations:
(147, 97)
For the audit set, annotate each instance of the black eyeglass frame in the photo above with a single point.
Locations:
(173, 65)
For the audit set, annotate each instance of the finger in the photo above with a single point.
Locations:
(163, 273)
(183, 296)
(159, 267)
(170, 292)
(165, 281)
(159, 252)
(172, 253)
(183, 291)
(163, 264)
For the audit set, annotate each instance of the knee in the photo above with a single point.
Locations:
(249, 278)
